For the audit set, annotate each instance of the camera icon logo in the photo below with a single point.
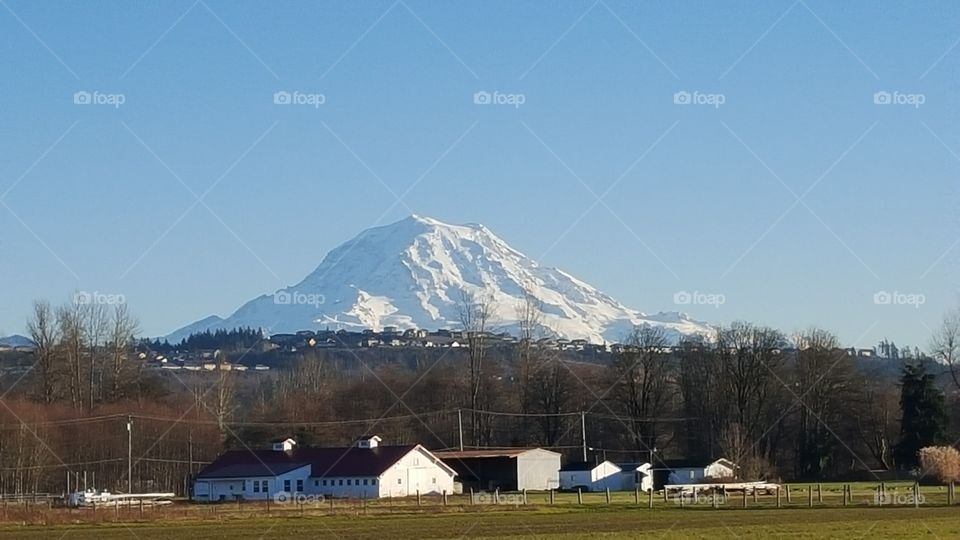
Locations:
(682, 298)
(482, 98)
(681, 98)
(82, 298)
(282, 298)
(882, 298)
(882, 98)
(281, 97)
(82, 98)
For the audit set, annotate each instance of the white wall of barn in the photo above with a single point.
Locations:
(416, 471)
(251, 488)
(538, 470)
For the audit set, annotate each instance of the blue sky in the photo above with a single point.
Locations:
(798, 198)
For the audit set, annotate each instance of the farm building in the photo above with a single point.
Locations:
(636, 475)
(589, 476)
(364, 470)
(694, 471)
(509, 469)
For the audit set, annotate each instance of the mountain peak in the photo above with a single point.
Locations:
(414, 273)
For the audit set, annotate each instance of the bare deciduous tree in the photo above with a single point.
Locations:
(43, 330)
(476, 317)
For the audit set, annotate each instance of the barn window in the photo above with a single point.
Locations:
(399, 480)
(243, 485)
(434, 479)
(341, 481)
(286, 485)
(266, 485)
(364, 481)
(348, 481)
(300, 485)
(256, 486)
(316, 483)
(373, 481)
(324, 482)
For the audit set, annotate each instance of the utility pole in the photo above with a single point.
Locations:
(460, 426)
(129, 454)
(583, 433)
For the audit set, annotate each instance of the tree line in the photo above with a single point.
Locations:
(782, 407)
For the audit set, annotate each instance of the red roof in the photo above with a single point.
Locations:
(323, 462)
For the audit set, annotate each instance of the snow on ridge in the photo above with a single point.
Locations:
(412, 273)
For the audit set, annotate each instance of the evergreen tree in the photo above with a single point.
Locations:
(924, 420)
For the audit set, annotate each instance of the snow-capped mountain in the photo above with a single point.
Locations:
(413, 273)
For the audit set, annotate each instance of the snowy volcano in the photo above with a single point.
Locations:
(414, 273)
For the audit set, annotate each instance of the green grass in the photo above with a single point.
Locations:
(622, 519)
(582, 522)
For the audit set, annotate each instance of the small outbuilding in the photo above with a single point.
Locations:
(588, 476)
(509, 469)
(693, 471)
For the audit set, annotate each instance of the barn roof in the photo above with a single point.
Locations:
(323, 462)
(488, 453)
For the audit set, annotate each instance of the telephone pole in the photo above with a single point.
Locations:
(460, 426)
(583, 433)
(129, 454)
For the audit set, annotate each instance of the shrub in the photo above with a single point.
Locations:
(941, 462)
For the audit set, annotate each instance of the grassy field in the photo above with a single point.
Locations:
(622, 517)
(577, 522)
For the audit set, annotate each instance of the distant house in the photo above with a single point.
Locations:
(509, 469)
(687, 471)
(588, 476)
(363, 470)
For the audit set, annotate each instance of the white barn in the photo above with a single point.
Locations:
(364, 470)
(589, 476)
(508, 469)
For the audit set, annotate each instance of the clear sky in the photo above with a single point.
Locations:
(781, 185)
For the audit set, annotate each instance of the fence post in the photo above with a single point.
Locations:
(755, 500)
(636, 495)
(845, 486)
(471, 497)
(579, 496)
(778, 496)
(418, 498)
(713, 497)
(524, 496)
(444, 497)
(789, 496)
(650, 498)
(916, 494)
(819, 493)
(682, 502)
(744, 497)
(608, 495)
(810, 496)
(552, 492)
